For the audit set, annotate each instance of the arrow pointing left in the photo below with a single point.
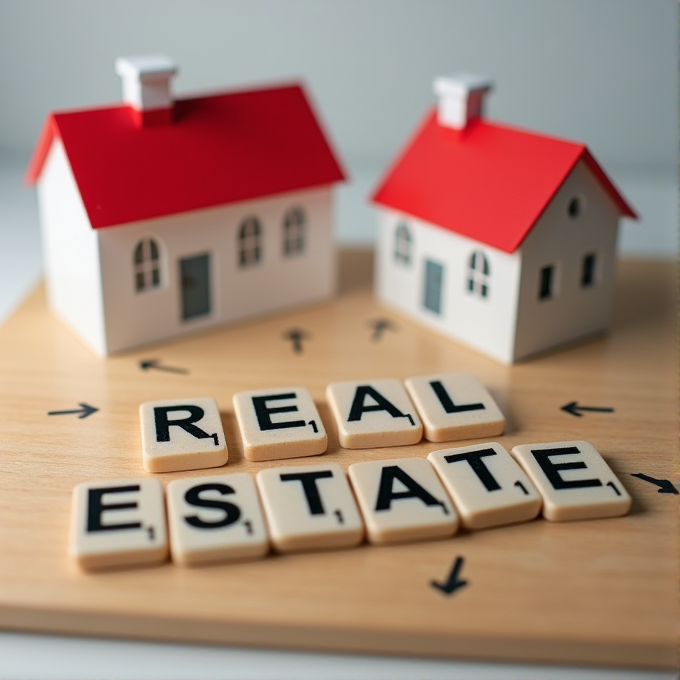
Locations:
(85, 410)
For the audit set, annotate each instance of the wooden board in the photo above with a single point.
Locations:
(596, 592)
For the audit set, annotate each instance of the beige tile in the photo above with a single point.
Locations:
(214, 519)
(402, 500)
(574, 480)
(277, 423)
(117, 523)
(455, 406)
(487, 486)
(182, 434)
(309, 508)
(373, 413)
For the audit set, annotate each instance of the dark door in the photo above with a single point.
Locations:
(195, 277)
(432, 292)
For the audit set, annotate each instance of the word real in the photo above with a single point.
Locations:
(187, 434)
(235, 516)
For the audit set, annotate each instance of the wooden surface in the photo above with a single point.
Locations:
(595, 592)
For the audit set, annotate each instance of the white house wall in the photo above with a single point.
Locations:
(558, 239)
(70, 251)
(484, 323)
(277, 281)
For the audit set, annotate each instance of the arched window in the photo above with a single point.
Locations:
(249, 242)
(402, 244)
(478, 274)
(294, 232)
(147, 263)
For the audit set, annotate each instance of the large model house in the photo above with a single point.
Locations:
(162, 217)
(500, 238)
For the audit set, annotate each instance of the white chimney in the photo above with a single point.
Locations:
(146, 87)
(461, 98)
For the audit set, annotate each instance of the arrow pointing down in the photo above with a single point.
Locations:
(453, 583)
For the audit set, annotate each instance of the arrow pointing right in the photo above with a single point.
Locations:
(84, 411)
(665, 485)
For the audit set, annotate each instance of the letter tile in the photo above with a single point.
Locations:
(214, 519)
(117, 523)
(182, 434)
(402, 500)
(574, 480)
(309, 508)
(487, 485)
(373, 413)
(455, 406)
(279, 423)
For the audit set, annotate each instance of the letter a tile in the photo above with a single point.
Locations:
(455, 406)
(117, 523)
(279, 423)
(487, 486)
(215, 519)
(182, 434)
(309, 508)
(402, 500)
(373, 413)
(574, 480)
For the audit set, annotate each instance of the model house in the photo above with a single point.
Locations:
(500, 238)
(164, 216)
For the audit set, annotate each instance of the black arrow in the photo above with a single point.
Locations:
(379, 327)
(574, 408)
(665, 485)
(84, 410)
(453, 583)
(146, 364)
(296, 336)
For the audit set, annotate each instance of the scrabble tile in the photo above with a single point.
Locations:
(309, 508)
(402, 500)
(182, 434)
(214, 519)
(574, 480)
(487, 486)
(279, 423)
(373, 413)
(455, 406)
(117, 523)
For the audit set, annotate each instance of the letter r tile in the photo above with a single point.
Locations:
(574, 480)
(279, 423)
(118, 523)
(182, 434)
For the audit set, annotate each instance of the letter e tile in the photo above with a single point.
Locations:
(574, 480)
(309, 508)
(118, 523)
(215, 519)
(182, 434)
(402, 500)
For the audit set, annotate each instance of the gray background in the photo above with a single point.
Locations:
(599, 71)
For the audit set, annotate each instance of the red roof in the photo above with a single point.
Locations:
(220, 149)
(489, 182)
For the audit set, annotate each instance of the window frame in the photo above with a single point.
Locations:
(478, 281)
(403, 244)
(294, 232)
(147, 265)
(249, 240)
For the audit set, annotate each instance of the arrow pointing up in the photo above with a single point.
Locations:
(573, 408)
(453, 583)
(665, 485)
(85, 410)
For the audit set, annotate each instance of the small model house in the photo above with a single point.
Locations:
(499, 238)
(163, 217)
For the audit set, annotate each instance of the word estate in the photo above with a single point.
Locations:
(236, 516)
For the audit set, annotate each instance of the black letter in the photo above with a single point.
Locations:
(358, 408)
(262, 411)
(95, 508)
(312, 495)
(232, 512)
(477, 464)
(446, 402)
(386, 495)
(552, 471)
(163, 424)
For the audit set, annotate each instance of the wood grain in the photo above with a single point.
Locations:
(593, 592)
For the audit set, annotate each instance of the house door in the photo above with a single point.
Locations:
(195, 281)
(432, 292)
